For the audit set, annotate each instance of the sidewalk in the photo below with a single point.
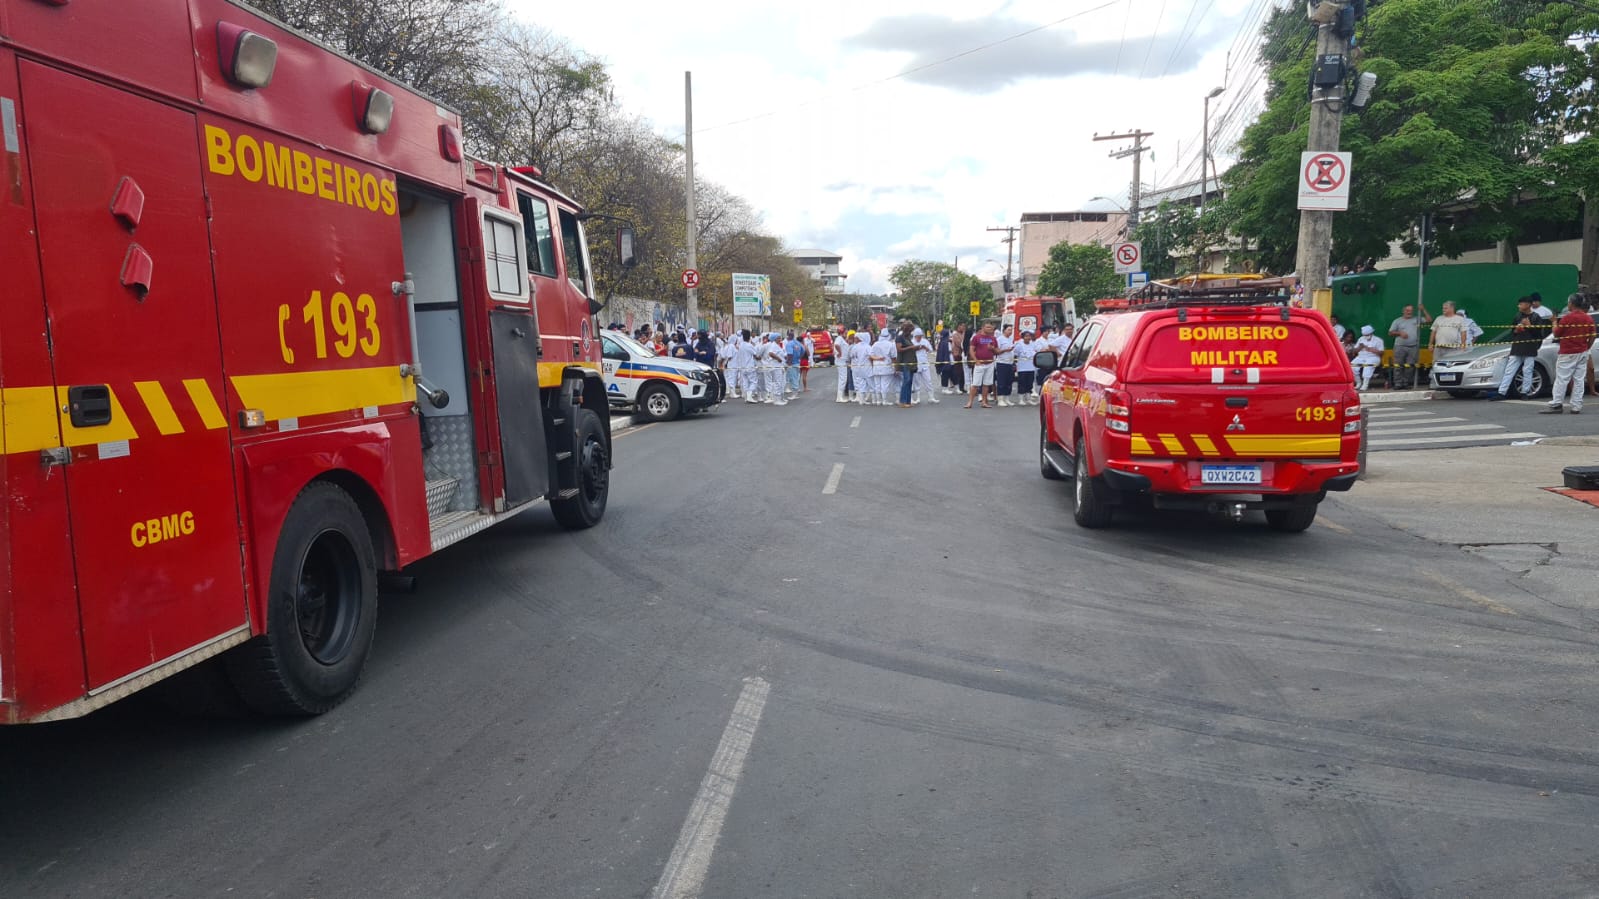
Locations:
(1491, 501)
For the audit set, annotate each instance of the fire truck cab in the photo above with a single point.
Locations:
(268, 333)
(1031, 313)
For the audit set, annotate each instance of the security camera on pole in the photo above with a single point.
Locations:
(1324, 174)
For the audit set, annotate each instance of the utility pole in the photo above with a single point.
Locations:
(1010, 244)
(1326, 122)
(1136, 151)
(688, 190)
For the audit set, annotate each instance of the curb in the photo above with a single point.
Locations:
(1405, 396)
(621, 423)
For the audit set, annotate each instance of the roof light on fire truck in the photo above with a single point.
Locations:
(450, 143)
(378, 110)
(247, 58)
(252, 418)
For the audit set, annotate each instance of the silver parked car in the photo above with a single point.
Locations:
(1478, 369)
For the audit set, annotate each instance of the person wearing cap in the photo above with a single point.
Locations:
(1004, 365)
(860, 368)
(1539, 309)
(1025, 349)
(744, 372)
(793, 354)
(924, 367)
(1527, 331)
(1368, 354)
(882, 358)
(842, 347)
(772, 355)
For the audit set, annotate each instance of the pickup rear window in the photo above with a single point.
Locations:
(1280, 351)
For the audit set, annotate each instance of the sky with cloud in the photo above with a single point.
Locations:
(887, 130)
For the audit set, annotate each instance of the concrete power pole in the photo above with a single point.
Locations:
(1010, 246)
(688, 190)
(1326, 121)
(1136, 151)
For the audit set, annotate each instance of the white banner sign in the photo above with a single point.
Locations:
(752, 294)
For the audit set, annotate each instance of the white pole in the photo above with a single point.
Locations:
(688, 189)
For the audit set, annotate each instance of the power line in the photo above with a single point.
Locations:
(913, 70)
(1128, 18)
(1151, 48)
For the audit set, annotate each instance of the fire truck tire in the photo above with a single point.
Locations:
(658, 403)
(321, 609)
(593, 476)
(1089, 509)
(1294, 520)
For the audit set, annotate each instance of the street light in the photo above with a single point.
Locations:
(1204, 181)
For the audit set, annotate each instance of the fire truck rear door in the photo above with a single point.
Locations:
(133, 328)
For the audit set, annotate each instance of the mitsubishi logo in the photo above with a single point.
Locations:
(1237, 425)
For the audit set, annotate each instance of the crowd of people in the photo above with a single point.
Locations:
(901, 366)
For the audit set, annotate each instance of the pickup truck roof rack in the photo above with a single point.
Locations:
(1212, 290)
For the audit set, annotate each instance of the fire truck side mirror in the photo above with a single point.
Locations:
(626, 250)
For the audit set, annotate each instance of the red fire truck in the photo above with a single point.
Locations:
(268, 335)
(1030, 313)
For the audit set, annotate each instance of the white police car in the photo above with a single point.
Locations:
(662, 388)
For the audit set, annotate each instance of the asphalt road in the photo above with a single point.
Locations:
(927, 682)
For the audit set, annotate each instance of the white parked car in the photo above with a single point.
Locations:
(662, 388)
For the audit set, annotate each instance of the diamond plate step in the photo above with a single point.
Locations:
(439, 495)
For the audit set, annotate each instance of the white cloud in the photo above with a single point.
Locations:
(796, 108)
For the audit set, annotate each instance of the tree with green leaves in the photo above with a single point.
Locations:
(1454, 117)
(1082, 271)
(930, 292)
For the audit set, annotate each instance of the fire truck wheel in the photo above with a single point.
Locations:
(1044, 468)
(593, 477)
(321, 609)
(1294, 520)
(1090, 510)
(658, 403)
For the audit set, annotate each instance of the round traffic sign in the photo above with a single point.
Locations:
(1325, 173)
(1127, 253)
(799, 303)
(691, 278)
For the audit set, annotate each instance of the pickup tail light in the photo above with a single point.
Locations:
(1352, 413)
(1117, 414)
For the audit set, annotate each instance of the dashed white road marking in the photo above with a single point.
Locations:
(685, 871)
(833, 479)
(1430, 428)
(856, 422)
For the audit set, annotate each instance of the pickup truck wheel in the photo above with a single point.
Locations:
(1044, 468)
(1292, 521)
(321, 609)
(593, 477)
(1091, 511)
(658, 403)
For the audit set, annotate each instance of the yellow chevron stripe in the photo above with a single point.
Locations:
(305, 393)
(155, 400)
(1173, 445)
(1285, 445)
(1141, 446)
(205, 403)
(1205, 444)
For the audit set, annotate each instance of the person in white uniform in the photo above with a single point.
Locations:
(744, 368)
(842, 348)
(1025, 349)
(861, 367)
(724, 361)
(924, 367)
(1004, 365)
(883, 374)
(776, 370)
(1368, 354)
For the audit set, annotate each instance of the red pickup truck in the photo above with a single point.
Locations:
(1207, 395)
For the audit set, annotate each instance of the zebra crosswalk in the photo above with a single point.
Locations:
(1403, 426)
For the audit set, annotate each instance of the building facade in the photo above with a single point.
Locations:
(1042, 230)
(823, 265)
